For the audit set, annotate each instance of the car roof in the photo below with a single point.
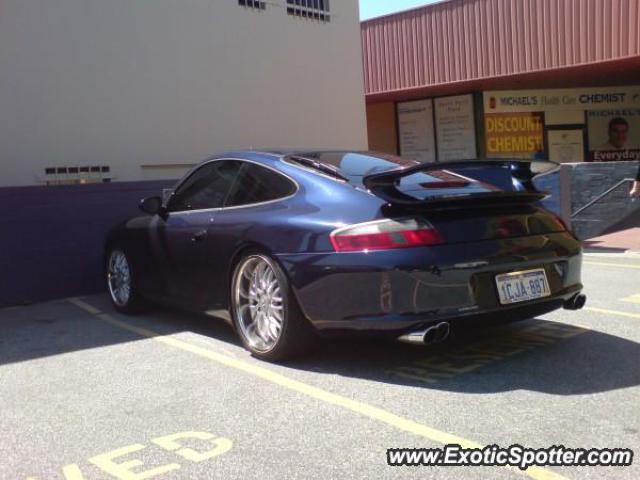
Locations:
(348, 165)
(336, 157)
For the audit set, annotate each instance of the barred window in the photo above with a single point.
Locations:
(314, 9)
(259, 5)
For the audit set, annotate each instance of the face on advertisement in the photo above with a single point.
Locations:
(618, 132)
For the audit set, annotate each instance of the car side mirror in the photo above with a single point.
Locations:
(151, 205)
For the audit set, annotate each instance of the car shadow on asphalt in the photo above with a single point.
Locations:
(537, 355)
(58, 327)
(52, 328)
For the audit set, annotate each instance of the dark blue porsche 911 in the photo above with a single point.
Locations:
(290, 245)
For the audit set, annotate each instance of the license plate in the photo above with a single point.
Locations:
(515, 287)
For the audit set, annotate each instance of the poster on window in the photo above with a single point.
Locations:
(566, 145)
(614, 135)
(455, 128)
(415, 128)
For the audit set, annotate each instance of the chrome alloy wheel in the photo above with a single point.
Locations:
(259, 306)
(119, 278)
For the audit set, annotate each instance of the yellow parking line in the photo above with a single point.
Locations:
(611, 264)
(633, 298)
(85, 306)
(364, 409)
(613, 312)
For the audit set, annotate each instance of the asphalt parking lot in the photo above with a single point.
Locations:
(87, 393)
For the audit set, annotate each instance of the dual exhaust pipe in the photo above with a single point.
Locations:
(434, 334)
(439, 332)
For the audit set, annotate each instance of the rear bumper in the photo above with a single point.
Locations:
(396, 291)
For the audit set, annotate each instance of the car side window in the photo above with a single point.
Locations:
(258, 184)
(207, 187)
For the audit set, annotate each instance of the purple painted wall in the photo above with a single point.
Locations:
(52, 238)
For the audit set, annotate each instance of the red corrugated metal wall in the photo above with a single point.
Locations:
(462, 40)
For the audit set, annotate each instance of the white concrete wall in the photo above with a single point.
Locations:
(127, 83)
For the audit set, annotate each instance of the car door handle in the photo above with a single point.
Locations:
(199, 236)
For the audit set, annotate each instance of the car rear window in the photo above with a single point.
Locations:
(446, 182)
(355, 165)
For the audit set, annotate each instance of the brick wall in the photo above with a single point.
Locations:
(52, 238)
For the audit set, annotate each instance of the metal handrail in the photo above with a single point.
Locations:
(602, 195)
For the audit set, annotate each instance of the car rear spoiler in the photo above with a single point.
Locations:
(384, 184)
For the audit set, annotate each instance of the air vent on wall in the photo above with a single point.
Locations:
(311, 9)
(255, 4)
(76, 175)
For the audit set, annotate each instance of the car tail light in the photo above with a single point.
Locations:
(384, 235)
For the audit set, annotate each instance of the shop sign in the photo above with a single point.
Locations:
(520, 134)
(561, 99)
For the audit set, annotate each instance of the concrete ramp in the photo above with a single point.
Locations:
(623, 236)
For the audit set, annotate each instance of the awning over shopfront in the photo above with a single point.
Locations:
(462, 79)
(462, 45)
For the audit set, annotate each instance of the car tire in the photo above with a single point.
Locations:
(265, 312)
(121, 283)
